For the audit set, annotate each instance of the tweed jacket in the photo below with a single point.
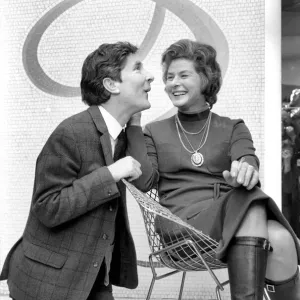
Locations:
(74, 206)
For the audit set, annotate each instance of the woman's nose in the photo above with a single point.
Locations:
(175, 81)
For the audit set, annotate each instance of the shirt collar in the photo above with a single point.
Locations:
(113, 126)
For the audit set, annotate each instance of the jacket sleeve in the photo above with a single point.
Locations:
(140, 146)
(59, 194)
(241, 145)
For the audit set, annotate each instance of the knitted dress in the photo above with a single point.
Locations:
(199, 194)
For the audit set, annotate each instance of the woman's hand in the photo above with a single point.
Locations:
(135, 119)
(241, 173)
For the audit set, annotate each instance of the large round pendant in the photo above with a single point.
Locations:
(197, 159)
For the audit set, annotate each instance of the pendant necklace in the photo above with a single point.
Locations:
(197, 158)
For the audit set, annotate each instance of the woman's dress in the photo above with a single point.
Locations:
(200, 195)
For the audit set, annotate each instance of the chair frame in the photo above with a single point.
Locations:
(165, 249)
(220, 286)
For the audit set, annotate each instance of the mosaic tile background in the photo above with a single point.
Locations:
(28, 115)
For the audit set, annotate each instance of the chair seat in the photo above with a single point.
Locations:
(184, 256)
(172, 260)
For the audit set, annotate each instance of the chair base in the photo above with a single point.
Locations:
(166, 249)
(154, 278)
(218, 288)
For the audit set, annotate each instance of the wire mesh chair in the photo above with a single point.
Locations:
(176, 244)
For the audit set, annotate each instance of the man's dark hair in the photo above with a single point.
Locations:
(204, 58)
(105, 62)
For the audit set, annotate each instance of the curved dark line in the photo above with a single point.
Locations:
(30, 58)
(153, 31)
(203, 27)
(193, 18)
(31, 63)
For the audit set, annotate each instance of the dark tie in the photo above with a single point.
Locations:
(120, 149)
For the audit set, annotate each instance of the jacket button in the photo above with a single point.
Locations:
(109, 193)
(104, 236)
(110, 208)
(95, 264)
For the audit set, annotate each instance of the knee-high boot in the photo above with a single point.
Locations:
(288, 289)
(247, 262)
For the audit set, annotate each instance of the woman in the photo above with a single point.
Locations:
(206, 171)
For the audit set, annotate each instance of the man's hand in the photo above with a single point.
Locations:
(135, 119)
(241, 173)
(126, 167)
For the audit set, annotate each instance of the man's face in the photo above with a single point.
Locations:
(135, 85)
(183, 85)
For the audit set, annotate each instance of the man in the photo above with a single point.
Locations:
(77, 241)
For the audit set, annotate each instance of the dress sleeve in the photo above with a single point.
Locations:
(241, 144)
(141, 147)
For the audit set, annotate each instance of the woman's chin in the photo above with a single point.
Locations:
(178, 102)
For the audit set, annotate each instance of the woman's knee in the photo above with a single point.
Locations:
(282, 261)
(280, 238)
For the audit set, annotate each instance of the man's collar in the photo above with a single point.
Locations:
(113, 126)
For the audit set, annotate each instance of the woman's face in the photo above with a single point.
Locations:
(184, 86)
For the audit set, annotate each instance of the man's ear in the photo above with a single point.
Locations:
(111, 85)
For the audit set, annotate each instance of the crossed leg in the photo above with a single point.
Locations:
(250, 261)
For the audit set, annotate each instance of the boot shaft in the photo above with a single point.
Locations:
(247, 262)
(288, 289)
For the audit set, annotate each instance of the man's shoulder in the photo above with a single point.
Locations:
(73, 125)
(78, 120)
(81, 117)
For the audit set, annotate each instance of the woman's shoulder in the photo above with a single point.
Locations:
(159, 125)
(223, 120)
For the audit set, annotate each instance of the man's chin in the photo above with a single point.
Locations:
(146, 106)
(142, 108)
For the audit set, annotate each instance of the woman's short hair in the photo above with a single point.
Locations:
(204, 58)
(105, 62)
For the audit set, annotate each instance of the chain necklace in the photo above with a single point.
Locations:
(184, 130)
(197, 158)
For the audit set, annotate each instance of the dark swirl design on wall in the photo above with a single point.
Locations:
(200, 23)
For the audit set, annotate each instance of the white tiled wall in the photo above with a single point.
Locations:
(28, 115)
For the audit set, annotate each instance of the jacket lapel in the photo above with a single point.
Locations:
(95, 113)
